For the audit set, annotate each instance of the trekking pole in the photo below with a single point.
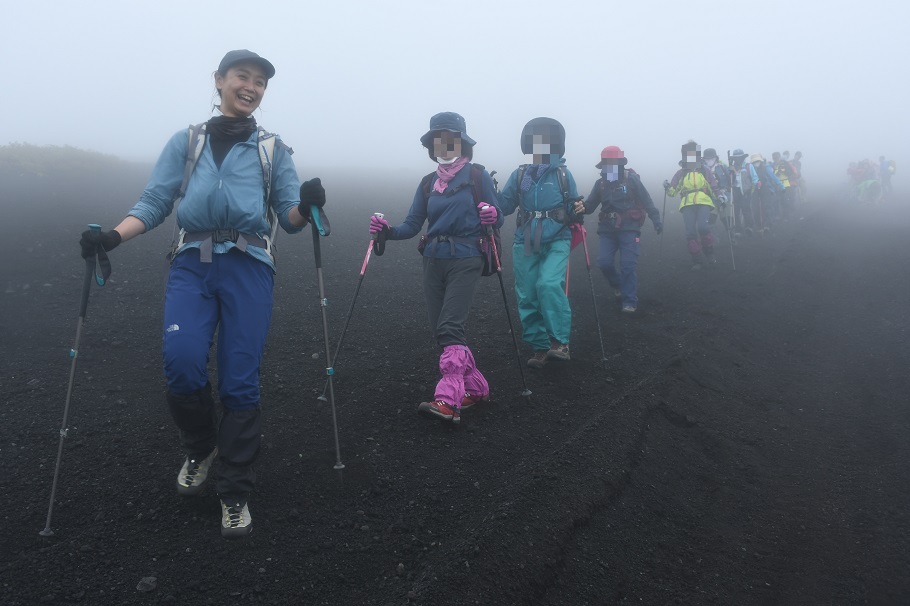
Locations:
(74, 353)
(524, 381)
(663, 219)
(603, 351)
(731, 222)
(363, 271)
(321, 228)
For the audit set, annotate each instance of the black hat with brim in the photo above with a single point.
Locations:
(238, 56)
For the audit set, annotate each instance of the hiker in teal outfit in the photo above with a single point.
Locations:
(545, 198)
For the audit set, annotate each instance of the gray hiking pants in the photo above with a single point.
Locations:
(449, 285)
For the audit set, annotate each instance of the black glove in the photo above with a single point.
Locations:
(659, 227)
(92, 239)
(311, 194)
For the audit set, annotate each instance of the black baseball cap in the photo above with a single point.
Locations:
(236, 56)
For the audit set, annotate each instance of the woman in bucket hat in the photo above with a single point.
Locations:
(546, 198)
(447, 200)
(624, 203)
(221, 276)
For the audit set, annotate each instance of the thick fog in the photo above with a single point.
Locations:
(356, 82)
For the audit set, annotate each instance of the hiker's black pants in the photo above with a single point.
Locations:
(449, 285)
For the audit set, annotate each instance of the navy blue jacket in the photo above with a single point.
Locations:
(451, 213)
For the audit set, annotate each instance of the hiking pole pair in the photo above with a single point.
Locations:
(488, 230)
(584, 243)
(74, 353)
(321, 227)
(379, 245)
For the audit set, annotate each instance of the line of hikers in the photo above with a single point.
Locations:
(231, 184)
(748, 193)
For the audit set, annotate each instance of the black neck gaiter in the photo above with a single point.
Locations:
(224, 132)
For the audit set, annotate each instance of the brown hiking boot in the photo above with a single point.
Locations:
(539, 359)
(559, 351)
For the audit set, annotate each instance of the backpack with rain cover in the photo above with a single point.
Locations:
(486, 242)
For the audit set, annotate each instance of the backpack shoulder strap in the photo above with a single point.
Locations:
(633, 178)
(477, 182)
(426, 184)
(563, 182)
(194, 147)
(522, 169)
(265, 143)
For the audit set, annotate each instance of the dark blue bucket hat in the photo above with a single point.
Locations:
(449, 121)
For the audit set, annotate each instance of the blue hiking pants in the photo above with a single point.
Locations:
(540, 287)
(627, 244)
(232, 294)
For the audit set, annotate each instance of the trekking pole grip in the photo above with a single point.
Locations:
(89, 274)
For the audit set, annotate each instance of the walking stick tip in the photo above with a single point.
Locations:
(47, 532)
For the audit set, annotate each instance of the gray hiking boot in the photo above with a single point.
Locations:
(236, 521)
(194, 473)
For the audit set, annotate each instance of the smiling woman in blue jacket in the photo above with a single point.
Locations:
(221, 276)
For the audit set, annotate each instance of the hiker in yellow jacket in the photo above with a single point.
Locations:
(699, 195)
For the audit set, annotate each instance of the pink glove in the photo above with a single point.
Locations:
(487, 214)
(377, 224)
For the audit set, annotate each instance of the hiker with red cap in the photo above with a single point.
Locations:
(699, 195)
(624, 203)
(458, 202)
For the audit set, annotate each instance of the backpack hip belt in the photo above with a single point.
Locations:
(524, 225)
(451, 241)
(220, 236)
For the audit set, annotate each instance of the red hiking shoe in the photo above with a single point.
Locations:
(440, 410)
(469, 400)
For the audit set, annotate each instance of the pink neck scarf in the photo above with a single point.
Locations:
(446, 172)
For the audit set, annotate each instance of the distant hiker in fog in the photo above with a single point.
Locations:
(765, 193)
(743, 177)
(886, 169)
(543, 193)
(230, 200)
(457, 202)
(624, 203)
(789, 177)
(721, 172)
(698, 192)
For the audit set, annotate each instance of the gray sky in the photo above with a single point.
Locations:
(356, 82)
